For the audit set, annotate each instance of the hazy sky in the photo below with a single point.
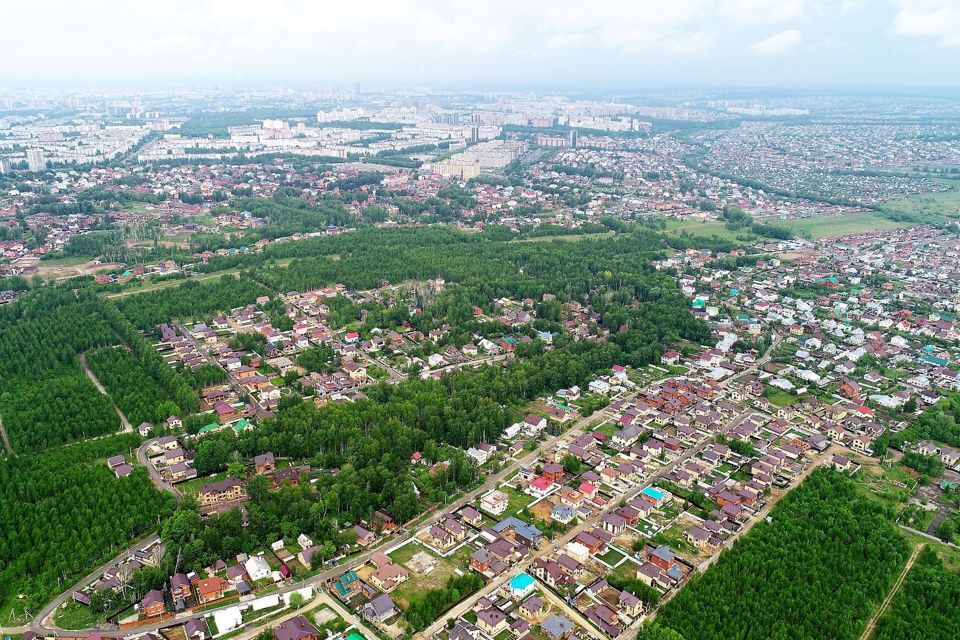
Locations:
(565, 43)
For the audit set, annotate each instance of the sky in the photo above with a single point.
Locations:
(629, 44)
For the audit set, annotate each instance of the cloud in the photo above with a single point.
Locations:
(753, 12)
(453, 41)
(779, 43)
(939, 20)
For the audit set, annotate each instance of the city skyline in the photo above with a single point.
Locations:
(866, 44)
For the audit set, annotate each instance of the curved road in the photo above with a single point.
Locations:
(155, 476)
(43, 624)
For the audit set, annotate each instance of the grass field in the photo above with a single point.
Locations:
(611, 557)
(139, 207)
(419, 584)
(192, 487)
(69, 261)
(935, 205)
(572, 237)
(707, 228)
(404, 553)
(166, 284)
(518, 502)
(816, 227)
(780, 398)
(76, 616)
(889, 485)
(832, 226)
(949, 555)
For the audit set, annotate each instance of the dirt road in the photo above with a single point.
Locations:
(872, 623)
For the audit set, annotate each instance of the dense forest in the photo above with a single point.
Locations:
(285, 215)
(38, 415)
(190, 299)
(817, 570)
(150, 363)
(45, 399)
(63, 511)
(927, 606)
(642, 307)
(139, 396)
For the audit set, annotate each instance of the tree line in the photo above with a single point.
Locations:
(64, 511)
(817, 570)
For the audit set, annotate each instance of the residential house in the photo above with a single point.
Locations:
(379, 609)
(297, 628)
(152, 604)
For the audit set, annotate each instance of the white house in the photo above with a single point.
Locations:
(479, 455)
(257, 568)
(494, 502)
(599, 386)
(304, 541)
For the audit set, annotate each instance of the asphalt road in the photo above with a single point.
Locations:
(42, 626)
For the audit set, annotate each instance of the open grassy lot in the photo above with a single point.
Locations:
(404, 553)
(166, 284)
(779, 397)
(611, 557)
(461, 558)
(935, 205)
(420, 583)
(192, 487)
(674, 537)
(949, 555)
(518, 502)
(708, 228)
(841, 225)
(888, 485)
(76, 616)
(572, 237)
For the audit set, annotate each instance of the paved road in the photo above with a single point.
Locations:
(346, 614)
(237, 388)
(395, 377)
(471, 363)
(155, 476)
(43, 626)
(928, 536)
(777, 338)
(942, 512)
(40, 623)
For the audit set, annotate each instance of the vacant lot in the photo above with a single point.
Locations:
(936, 206)
(707, 228)
(73, 266)
(422, 579)
(841, 225)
